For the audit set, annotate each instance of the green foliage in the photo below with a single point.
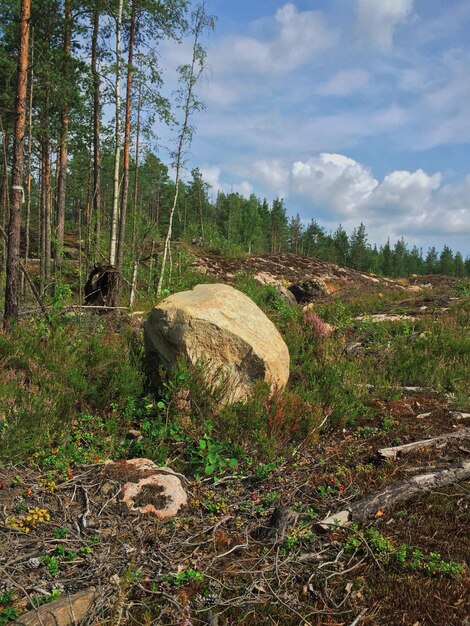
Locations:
(49, 375)
(300, 533)
(185, 577)
(6, 597)
(7, 612)
(462, 287)
(7, 615)
(60, 533)
(209, 457)
(38, 601)
(404, 557)
(52, 564)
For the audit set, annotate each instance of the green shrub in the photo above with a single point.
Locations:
(49, 375)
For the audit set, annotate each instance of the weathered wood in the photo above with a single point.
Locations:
(276, 528)
(397, 492)
(393, 453)
(458, 415)
(66, 611)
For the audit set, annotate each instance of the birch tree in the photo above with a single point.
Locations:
(188, 103)
(117, 150)
(64, 123)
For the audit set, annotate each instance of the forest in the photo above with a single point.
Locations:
(93, 106)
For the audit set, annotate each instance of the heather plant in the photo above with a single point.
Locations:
(49, 375)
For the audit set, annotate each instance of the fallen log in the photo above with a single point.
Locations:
(66, 611)
(393, 453)
(458, 415)
(395, 493)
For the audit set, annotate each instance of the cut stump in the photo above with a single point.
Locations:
(66, 611)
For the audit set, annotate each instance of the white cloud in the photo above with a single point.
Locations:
(334, 180)
(211, 175)
(337, 188)
(272, 174)
(301, 36)
(345, 83)
(405, 192)
(244, 188)
(377, 20)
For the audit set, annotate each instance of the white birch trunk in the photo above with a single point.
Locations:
(117, 154)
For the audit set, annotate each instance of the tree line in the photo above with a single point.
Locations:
(81, 104)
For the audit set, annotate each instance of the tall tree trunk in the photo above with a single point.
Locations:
(29, 167)
(5, 199)
(46, 147)
(195, 69)
(136, 171)
(64, 127)
(127, 142)
(14, 226)
(117, 154)
(201, 216)
(96, 129)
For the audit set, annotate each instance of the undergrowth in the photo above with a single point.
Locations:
(71, 392)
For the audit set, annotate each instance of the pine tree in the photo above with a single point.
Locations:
(17, 191)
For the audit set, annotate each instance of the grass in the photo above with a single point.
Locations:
(51, 375)
(70, 392)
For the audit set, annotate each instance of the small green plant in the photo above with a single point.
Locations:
(462, 287)
(214, 504)
(272, 497)
(404, 557)
(183, 578)
(60, 533)
(38, 601)
(210, 456)
(265, 470)
(388, 423)
(52, 564)
(7, 612)
(132, 575)
(301, 533)
(7, 615)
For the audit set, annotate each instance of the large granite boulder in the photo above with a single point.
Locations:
(225, 332)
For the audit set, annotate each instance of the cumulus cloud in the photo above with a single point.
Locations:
(272, 174)
(333, 179)
(403, 191)
(345, 83)
(211, 174)
(338, 188)
(301, 36)
(377, 20)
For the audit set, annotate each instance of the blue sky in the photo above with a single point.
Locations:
(352, 110)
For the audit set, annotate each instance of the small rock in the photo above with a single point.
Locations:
(34, 563)
(108, 487)
(308, 290)
(135, 434)
(148, 489)
(352, 347)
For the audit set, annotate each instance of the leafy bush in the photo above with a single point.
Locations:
(49, 375)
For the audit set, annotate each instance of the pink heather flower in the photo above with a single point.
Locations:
(182, 400)
(318, 327)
